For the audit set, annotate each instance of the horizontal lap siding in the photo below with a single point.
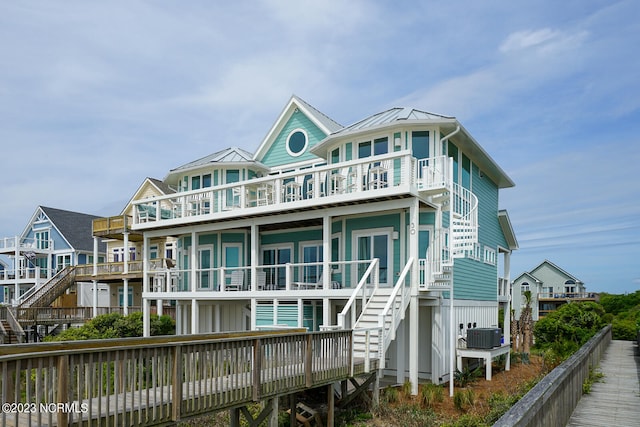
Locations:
(277, 153)
(475, 279)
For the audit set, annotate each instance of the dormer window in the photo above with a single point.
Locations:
(297, 142)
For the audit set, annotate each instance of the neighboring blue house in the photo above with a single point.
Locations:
(52, 240)
(373, 225)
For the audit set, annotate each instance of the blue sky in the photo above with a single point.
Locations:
(96, 96)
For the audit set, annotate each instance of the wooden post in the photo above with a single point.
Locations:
(176, 384)
(234, 417)
(63, 387)
(293, 409)
(330, 406)
(273, 419)
(308, 371)
(257, 368)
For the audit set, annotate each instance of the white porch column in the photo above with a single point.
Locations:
(194, 261)
(179, 320)
(414, 312)
(254, 309)
(326, 251)
(194, 317)
(254, 260)
(300, 313)
(326, 267)
(126, 255)
(146, 305)
(146, 324)
(326, 311)
(506, 323)
(94, 302)
(452, 339)
(400, 352)
(217, 327)
(125, 297)
(16, 271)
(95, 256)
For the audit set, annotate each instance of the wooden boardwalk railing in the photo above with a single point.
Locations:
(152, 381)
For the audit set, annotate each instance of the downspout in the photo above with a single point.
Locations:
(452, 330)
(451, 134)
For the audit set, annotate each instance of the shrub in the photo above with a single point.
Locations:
(572, 322)
(463, 399)
(466, 376)
(390, 394)
(115, 325)
(624, 329)
(430, 394)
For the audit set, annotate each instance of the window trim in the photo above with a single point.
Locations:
(304, 147)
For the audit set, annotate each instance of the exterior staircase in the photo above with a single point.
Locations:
(44, 295)
(461, 236)
(382, 308)
(10, 330)
(378, 322)
(8, 336)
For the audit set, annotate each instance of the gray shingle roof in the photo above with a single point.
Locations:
(76, 227)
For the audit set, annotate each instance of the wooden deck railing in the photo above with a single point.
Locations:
(150, 381)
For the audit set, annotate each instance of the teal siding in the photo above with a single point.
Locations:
(475, 279)
(277, 154)
(287, 315)
(264, 315)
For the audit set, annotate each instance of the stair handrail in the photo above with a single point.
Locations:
(50, 284)
(32, 290)
(15, 325)
(361, 288)
(397, 313)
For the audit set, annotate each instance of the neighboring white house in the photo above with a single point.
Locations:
(550, 287)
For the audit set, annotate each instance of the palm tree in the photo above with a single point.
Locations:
(526, 323)
(515, 331)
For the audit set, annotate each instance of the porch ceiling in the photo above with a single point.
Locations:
(248, 214)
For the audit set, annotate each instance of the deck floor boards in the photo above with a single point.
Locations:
(615, 401)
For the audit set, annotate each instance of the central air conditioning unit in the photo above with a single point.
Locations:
(484, 338)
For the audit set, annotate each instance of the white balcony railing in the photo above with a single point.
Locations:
(302, 187)
(26, 244)
(278, 277)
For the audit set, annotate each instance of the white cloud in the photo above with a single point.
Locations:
(545, 38)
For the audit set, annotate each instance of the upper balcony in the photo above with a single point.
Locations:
(9, 245)
(115, 227)
(373, 178)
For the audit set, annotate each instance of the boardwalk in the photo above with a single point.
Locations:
(154, 381)
(616, 400)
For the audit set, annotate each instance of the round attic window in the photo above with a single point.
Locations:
(297, 142)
